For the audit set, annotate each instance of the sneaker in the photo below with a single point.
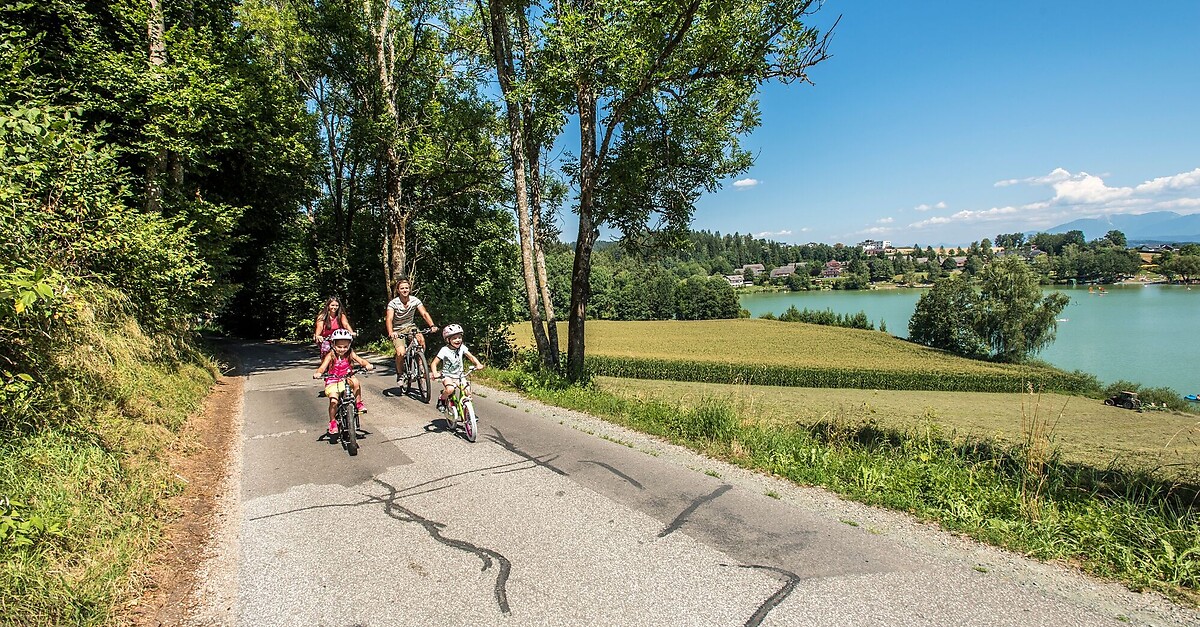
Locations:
(333, 428)
(441, 405)
(360, 408)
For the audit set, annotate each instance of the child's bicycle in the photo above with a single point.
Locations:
(460, 408)
(346, 413)
(415, 368)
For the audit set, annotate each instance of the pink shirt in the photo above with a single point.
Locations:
(338, 370)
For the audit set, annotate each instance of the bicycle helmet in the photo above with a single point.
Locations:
(451, 329)
(341, 334)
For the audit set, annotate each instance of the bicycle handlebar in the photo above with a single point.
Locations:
(354, 371)
(415, 331)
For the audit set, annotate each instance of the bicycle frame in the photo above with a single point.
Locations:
(460, 401)
(415, 367)
(346, 412)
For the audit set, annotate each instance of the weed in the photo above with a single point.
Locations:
(712, 473)
(847, 521)
(773, 494)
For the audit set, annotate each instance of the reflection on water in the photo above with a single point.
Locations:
(1144, 333)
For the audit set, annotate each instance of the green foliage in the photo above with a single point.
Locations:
(1014, 319)
(705, 298)
(821, 377)
(944, 318)
(827, 317)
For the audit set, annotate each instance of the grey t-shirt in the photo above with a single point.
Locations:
(405, 314)
(452, 360)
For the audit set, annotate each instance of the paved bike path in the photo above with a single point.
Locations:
(544, 522)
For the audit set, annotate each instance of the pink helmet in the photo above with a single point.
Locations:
(451, 329)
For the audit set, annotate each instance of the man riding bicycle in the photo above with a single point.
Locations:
(400, 320)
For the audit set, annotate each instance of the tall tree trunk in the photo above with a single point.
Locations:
(157, 55)
(581, 271)
(396, 215)
(533, 149)
(502, 54)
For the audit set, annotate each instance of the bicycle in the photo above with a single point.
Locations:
(415, 367)
(346, 413)
(460, 402)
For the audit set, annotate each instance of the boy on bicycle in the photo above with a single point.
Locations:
(449, 361)
(338, 364)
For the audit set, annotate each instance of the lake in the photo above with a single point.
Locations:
(1140, 333)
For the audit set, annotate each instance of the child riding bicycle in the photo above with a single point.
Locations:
(448, 364)
(337, 365)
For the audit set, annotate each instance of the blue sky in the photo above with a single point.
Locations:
(944, 122)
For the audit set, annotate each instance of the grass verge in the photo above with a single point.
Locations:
(84, 484)
(1122, 524)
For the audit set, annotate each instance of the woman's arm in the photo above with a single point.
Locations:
(319, 327)
(346, 323)
(324, 365)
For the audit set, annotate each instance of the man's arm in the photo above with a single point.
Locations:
(387, 321)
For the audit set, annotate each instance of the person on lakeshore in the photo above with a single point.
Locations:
(336, 366)
(400, 319)
(331, 318)
(448, 364)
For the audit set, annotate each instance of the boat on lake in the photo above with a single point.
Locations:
(1192, 397)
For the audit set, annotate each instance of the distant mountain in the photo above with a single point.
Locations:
(1156, 226)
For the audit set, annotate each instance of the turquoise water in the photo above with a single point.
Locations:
(1149, 334)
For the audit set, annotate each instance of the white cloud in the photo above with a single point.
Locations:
(746, 183)
(782, 233)
(1181, 203)
(1058, 174)
(1186, 180)
(875, 230)
(887, 220)
(925, 207)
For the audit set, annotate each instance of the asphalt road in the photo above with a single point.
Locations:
(552, 518)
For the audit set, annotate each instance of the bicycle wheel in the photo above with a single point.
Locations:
(350, 429)
(451, 415)
(469, 424)
(423, 383)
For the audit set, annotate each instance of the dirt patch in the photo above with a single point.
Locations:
(193, 578)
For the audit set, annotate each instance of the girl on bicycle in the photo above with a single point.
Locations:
(401, 313)
(449, 361)
(331, 318)
(337, 365)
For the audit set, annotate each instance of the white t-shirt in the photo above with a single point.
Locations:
(452, 360)
(404, 315)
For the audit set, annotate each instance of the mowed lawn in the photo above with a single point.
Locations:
(762, 342)
(1084, 429)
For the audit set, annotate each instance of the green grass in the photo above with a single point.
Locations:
(90, 463)
(1121, 523)
(1085, 431)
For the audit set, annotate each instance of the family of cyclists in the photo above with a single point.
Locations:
(333, 335)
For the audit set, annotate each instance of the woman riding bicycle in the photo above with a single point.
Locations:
(399, 320)
(337, 366)
(331, 318)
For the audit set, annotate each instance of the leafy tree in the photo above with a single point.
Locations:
(1013, 318)
(945, 318)
(662, 94)
(705, 298)
(1115, 238)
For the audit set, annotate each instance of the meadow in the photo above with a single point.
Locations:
(1053, 476)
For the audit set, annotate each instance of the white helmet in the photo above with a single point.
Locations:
(451, 329)
(341, 334)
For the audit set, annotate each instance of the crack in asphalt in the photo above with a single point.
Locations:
(614, 471)
(792, 579)
(690, 509)
(512, 448)
(434, 529)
